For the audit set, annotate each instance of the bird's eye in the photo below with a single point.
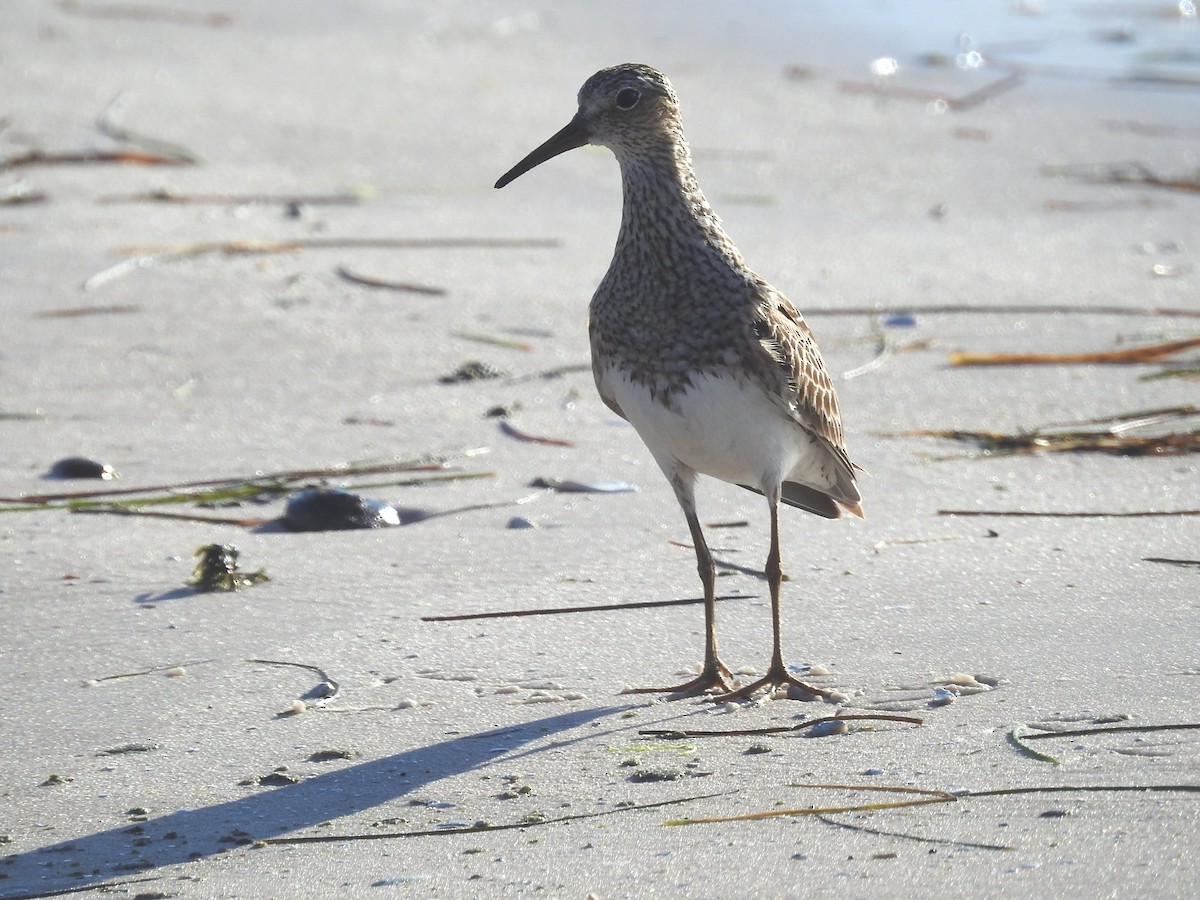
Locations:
(628, 98)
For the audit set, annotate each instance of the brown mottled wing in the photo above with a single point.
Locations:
(806, 394)
(810, 400)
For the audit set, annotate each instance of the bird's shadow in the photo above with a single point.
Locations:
(133, 851)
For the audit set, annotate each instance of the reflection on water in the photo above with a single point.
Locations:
(1146, 41)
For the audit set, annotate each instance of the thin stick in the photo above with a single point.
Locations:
(600, 607)
(231, 248)
(164, 514)
(1069, 515)
(914, 837)
(1134, 355)
(1090, 788)
(145, 13)
(1010, 309)
(85, 157)
(472, 829)
(512, 431)
(346, 275)
(343, 470)
(674, 734)
(80, 889)
(1111, 729)
(1017, 736)
(162, 195)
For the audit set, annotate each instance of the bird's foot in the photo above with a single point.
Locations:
(767, 688)
(716, 678)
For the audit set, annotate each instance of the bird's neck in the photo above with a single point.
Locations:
(663, 203)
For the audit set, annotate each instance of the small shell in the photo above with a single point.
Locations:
(81, 467)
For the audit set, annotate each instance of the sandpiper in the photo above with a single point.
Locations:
(714, 368)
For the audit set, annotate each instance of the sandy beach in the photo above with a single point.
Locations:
(259, 238)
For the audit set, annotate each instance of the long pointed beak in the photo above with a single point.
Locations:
(573, 135)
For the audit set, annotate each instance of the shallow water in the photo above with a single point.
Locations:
(1153, 41)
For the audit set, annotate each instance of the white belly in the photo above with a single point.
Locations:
(721, 427)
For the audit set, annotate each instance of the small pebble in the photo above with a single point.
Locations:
(520, 522)
(81, 467)
(299, 706)
(332, 509)
(175, 672)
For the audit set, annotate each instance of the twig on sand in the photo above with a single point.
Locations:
(407, 286)
(1123, 173)
(1106, 434)
(1131, 356)
(1136, 514)
(87, 157)
(600, 607)
(680, 734)
(1019, 309)
(1112, 729)
(142, 12)
(105, 886)
(291, 245)
(927, 797)
(515, 433)
(210, 489)
(142, 257)
(164, 195)
(946, 842)
(484, 827)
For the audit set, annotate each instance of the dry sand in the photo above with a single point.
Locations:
(223, 365)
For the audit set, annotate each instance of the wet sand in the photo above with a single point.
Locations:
(202, 365)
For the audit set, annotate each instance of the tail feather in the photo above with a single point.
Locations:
(814, 501)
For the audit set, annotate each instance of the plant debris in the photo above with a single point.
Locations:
(600, 607)
(87, 157)
(1135, 514)
(1184, 563)
(1133, 356)
(473, 370)
(240, 488)
(407, 286)
(76, 312)
(1135, 173)
(506, 343)
(142, 257)
(1020, 309)
(571, 486)
(218, 570)
(512, 431)
(145, 13)
(523, 823)
(164, 195)
(1107, 434)
(322, 692)
(682, 734)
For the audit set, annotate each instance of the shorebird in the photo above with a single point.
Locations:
(714, 368)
